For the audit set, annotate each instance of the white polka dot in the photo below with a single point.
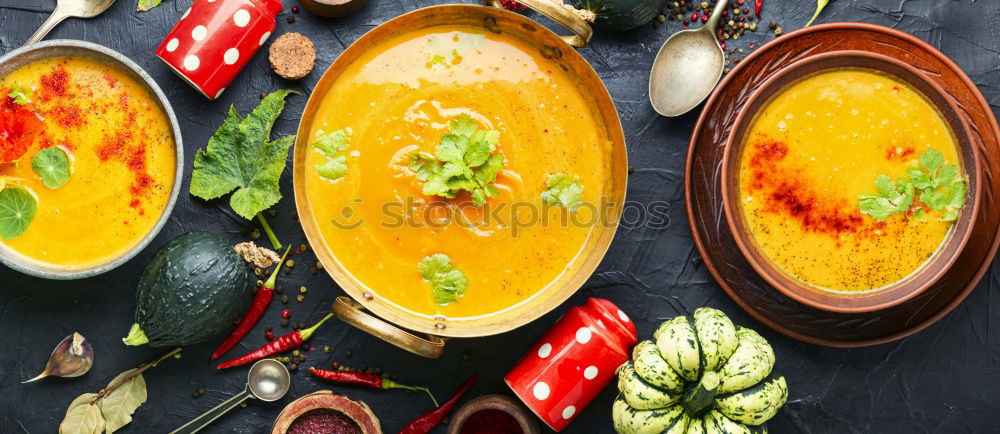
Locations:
(172, 44)
(541, 391)
(601, 324)
(241, 18)
(231, 56)
(188, 11)
(568, 412)
(590, 373)
(544, 350)
(219, 93)
(199, 33)
(583, 335)
(191, 63)
(263, 38)
(622, 316)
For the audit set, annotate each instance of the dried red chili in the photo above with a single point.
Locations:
(365, 379)
(424, 424)
(260, 301)
(279, 345)
(756, 7)
(323, 420)
(491, 421)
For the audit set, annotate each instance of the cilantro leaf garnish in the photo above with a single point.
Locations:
(241, 157)
(53, 166)
(939, 185)
(332, 145)
(447, 282)
(17, 210)
(563, 190)
(463, 161)
(20, 94)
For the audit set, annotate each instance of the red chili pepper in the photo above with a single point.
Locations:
(424, 424)
(366, 379)
(279, 345)
(757, 5)
(260, 301)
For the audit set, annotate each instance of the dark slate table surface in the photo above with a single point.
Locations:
(944, 379)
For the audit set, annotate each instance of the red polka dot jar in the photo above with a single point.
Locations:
(214, 39)
(573, 362)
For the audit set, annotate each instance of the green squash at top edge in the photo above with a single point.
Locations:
(192, 289)
(621, 15)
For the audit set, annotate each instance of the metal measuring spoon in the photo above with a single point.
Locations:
(69, 9)
(687, 68)
(268, 380)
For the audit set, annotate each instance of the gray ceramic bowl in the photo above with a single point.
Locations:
(57, 48)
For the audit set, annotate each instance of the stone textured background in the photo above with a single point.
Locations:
(944, 379)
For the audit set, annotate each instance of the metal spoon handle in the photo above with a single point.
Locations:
(713, 20)
(57, 17)
(208, 417)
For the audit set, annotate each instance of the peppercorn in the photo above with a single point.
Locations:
(293, 367)
(290, 19)
(736, 11)
(272, 212)
(687, 21)
(263, 95)
(744, 11)
(631, 169)
(286, 313)
(255, 234)
(313, 270)
(335, 365)
(777, 32)
(773, 25)
(704, 5)
(289, 263)
(295, 353)
(284, 299)
(731, 23)
(288, 270)
(300, 298)
(319, 265)
(694, 17)
(269, 335)
(198, 392)
(660, 18)
(753, 28)
(326, 349)
(347, 354)
(303, 289)
(257, 271)
(295, 9)
(284, 322)
(280, 289)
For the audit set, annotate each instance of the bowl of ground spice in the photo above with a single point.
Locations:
(493, 414)
(326, 412)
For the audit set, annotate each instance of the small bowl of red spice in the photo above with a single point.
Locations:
(873, 235)
(326, 412)
(493, 414)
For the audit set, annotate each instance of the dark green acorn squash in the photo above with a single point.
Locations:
(192, 289)
(621, 15)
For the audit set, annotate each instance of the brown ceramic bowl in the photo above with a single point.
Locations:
(357, 411)
(876, 298)
(526, 419)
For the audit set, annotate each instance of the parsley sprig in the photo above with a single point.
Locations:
(447, 282)
(464, 161)
(563, 190)
(21, 95)
(332, 146)
(940, 188)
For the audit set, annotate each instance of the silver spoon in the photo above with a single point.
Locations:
(268, 380)
(70, 9)
(687, 68)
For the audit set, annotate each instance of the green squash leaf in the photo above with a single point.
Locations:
(17, 210)
(117, 407)
(447, 282)
(83, 418)
(53, 166)
(241, 157)
(21, 95)
(563, 190)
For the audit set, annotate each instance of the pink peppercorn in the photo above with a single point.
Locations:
(286, 313)
(694, 17)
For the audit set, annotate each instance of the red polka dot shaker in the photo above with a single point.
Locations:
(573, 362)
(214, 39)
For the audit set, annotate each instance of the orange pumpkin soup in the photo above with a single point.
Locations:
(384, 223)
(121, 156)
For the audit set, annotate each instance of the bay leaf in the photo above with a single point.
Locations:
(117, 407)
(82, 418)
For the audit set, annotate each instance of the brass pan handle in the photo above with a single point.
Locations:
(351, 312)
(560, 14)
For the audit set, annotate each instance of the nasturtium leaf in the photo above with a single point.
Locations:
(118, 405)
(241, 157)
(463, 161)
(447, 282)
(52, 165)
(83, 418)
(21, 95)
(17, 210)
(332, 146)
(563, 190)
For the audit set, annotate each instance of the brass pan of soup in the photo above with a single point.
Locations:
(850, 183)
(90, 155)
(459, 171)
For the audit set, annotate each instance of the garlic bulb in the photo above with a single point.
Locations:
(71, 358)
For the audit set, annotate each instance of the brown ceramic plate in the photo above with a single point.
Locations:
(718, 248)
(795, 288)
